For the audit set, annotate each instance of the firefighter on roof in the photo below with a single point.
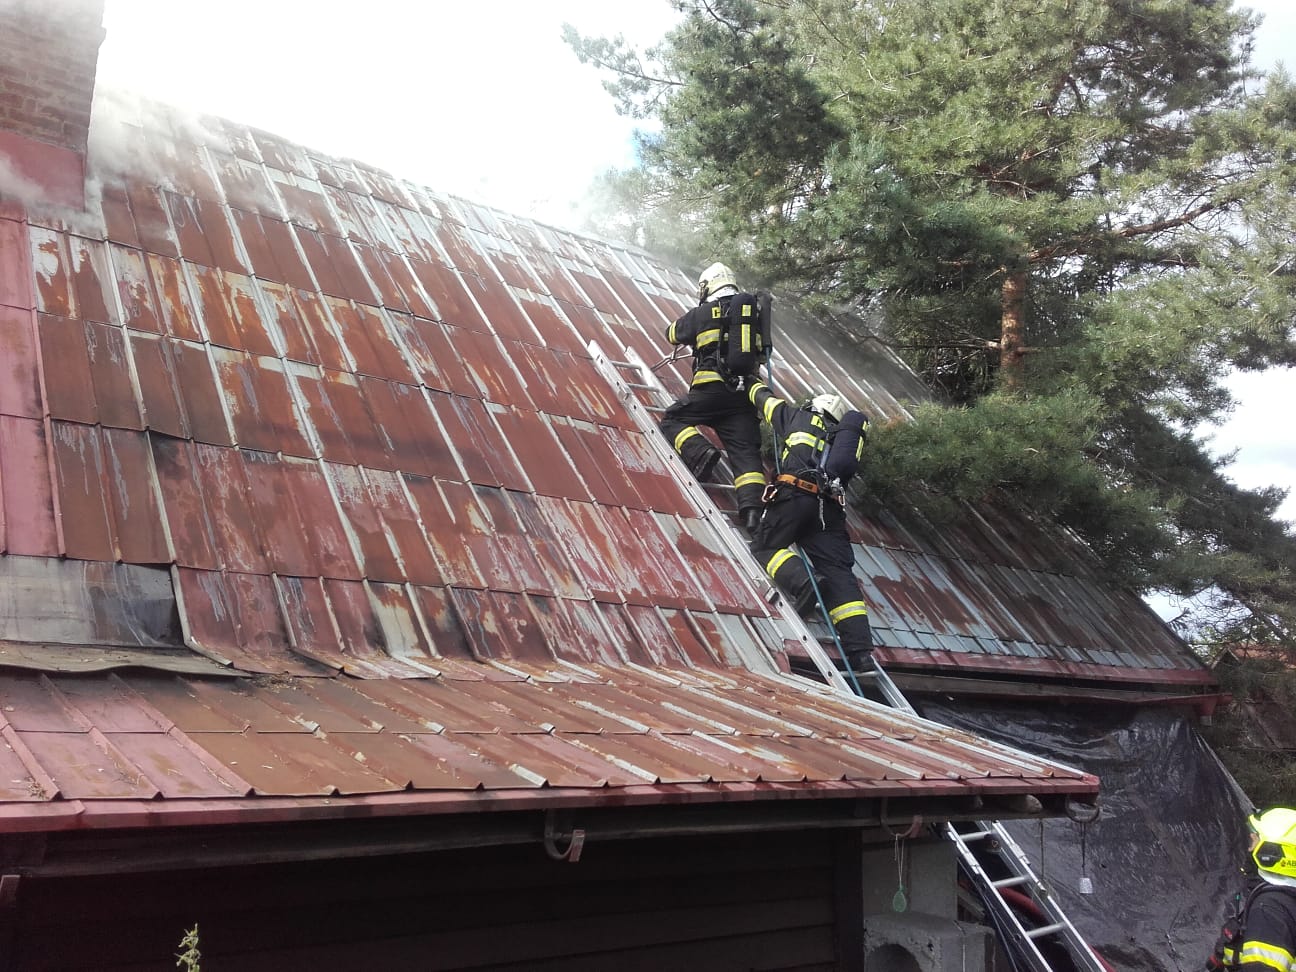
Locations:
(1261, 933)
(818, 449)
(729, 334)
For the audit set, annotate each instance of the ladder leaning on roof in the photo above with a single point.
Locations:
(985, 848)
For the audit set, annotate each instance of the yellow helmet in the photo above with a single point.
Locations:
(715, 278)
(1273, 848)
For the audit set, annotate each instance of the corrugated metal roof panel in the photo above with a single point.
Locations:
(151, 222)
(182, 739)
(391, 494)
(481, 446)
(226, 494)
(609, 485)
(215, 295)
(119, 225)
(213, 625)
(20, 392)
(114, 395)
(376, 638)
(499, 625)
(51, 265)
(16, 284)
(658, 563)
(135, 288)
(262, 633)
(175, 305)
(204, 405)
(84, 522)
(69, 389)
(674, 629)
(25, 488)
(651, 479)
(403, 413)
(260, 405)
(178, 769)
(494, 363)
(280, 515)
(131, 487)
(522, 541)
(85, 765)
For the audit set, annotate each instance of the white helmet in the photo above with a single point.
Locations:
(714, 279)
(829, 404)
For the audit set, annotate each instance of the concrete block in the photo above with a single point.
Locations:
(916, 942)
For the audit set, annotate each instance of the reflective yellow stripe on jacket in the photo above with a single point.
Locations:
(1269, 956)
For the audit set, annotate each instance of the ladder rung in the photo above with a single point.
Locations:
(623, 364)
(639, 384)
(720, 486)
(1045, 930)
(1011, 882)
(976, 835)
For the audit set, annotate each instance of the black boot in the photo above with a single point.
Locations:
(704, 465)
(806, 600)
(860, 659)
(750, 519)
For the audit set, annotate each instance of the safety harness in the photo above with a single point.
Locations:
(812, 480)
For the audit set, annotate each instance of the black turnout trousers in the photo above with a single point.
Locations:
(734, 420)
(794, 516)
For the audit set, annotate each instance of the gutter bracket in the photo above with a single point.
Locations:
(573, 837)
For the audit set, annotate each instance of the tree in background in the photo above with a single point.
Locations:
(1072, 220)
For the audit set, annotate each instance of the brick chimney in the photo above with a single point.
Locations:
(48, 53)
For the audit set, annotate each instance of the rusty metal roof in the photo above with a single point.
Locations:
(150, 749)
(353, 427)
(222, 366)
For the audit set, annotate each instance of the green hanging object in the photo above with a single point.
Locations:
(899, 900)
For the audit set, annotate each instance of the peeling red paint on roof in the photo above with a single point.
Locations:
(110, 742)
(359, 424)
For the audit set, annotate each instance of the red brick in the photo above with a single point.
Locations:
(48, 54)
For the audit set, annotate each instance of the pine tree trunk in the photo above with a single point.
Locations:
(1012, 339)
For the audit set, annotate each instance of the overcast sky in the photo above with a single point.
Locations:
(482, 99)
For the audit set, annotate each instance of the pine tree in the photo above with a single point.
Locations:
(1073, 220)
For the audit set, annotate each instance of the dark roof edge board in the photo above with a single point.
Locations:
(917, 683)
(1042, 668)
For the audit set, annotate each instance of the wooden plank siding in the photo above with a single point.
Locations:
(730, 902)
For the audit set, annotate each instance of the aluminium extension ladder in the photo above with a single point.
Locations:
(987, 845)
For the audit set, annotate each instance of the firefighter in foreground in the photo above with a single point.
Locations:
(729, 334)
(817, 450)
(1261, 934)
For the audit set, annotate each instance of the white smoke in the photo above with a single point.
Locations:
(17, 187)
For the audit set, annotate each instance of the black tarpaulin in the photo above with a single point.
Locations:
(1166, 852)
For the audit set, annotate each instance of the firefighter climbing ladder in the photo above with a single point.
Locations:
(984, 848)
